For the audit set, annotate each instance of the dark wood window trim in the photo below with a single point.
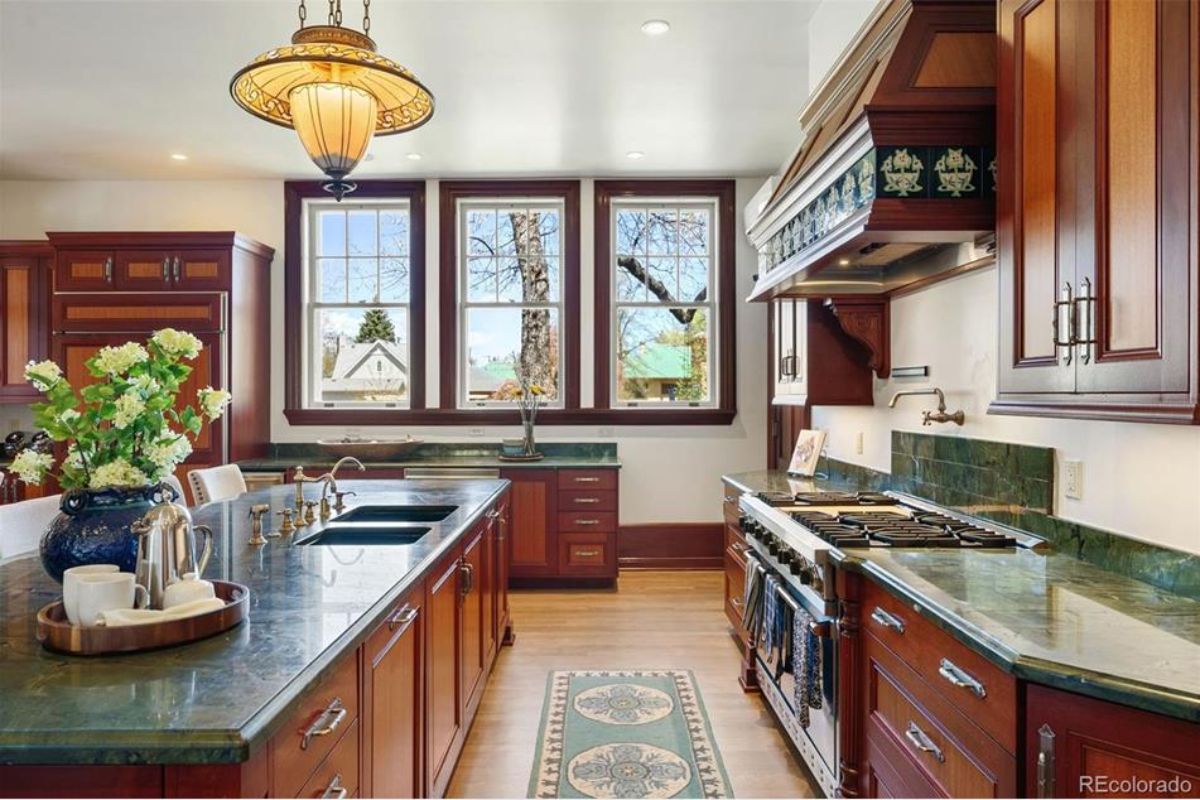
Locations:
(726, 408)
(449, 193)
(295, 192)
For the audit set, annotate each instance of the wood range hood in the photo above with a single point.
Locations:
(893, 182)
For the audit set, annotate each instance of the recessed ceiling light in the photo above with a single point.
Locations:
(845, 262)
(655, 27)
(178, 157)
(414, 156)
(635, 154)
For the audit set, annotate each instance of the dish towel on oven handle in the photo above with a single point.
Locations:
(770, 620)
(808, 664)
(752, 598)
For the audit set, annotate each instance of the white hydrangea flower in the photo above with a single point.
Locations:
(146, 384)
(119, 360)
(43, 374)
(68, 416)
(129, 406)
(31, 466)
(74, 458)
(213, 401)
(117, 473)
(166, 455)
(178, 343)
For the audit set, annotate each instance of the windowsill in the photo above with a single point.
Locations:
(551, 416)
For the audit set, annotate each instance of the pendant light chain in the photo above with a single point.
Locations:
(303, 13)
(367, 17)
(335, 13)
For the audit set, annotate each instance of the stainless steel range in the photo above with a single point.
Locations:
(791, 606)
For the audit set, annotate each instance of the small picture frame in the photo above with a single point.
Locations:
(807, 452)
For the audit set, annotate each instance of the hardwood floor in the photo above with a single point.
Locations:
(651, 620)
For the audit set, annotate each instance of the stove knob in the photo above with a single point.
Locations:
(807, 574)
(796, 567)
(786, 555)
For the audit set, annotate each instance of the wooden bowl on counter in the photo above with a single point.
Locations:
(370, 449)
(56, 632)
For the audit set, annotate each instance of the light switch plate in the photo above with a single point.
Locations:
(1073, 475)
(474, 431)
(606, 433)
(858, 443)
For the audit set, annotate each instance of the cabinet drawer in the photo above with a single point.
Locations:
(587, 521)
(138, 312)
(587, 500)
(299, 747)
(735, 585)
(587, 479)
(927, 733)
(985, 693)
(736, 542)
(338, 771)
(587, 554)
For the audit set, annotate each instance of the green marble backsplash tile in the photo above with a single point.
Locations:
(1013, 484)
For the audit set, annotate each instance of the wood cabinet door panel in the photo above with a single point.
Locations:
(1036, 192)
(1140, 258)
(503, 613)
(195, 313)
(295, 755)
(473, 648)
(532, 535)
(24, 324)
(443, 672)
(195, 270)
(84, 270)
(394, 689)
(142, 270)
(1093, 740)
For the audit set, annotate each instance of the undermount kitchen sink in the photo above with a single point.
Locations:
(367, 536)
(380, 514)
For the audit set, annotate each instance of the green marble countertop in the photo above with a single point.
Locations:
(216, 700)
(1046, 617)
(315, 463)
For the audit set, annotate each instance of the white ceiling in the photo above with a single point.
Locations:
(108, 89)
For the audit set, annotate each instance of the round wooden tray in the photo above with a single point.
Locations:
(534, 457)
(56, 633)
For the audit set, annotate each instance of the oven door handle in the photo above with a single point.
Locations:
(819, 628)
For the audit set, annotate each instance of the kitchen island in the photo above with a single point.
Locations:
(246, 712)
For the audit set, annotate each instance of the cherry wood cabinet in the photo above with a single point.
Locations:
(533, 539)
(110, 288)
(1082, 747)
(503, 614)
(443, 692)
(25, 275)
(393, 690)
(1097, 221)
(475, 619)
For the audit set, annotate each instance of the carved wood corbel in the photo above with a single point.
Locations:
(865, 318)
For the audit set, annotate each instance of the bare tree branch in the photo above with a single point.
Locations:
(660, 290)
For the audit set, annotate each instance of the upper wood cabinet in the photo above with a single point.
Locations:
(1097, 211)
(24, 315)
(814, 360)
(132, 262)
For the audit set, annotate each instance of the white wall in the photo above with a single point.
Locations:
(1138, 480)
(670, 474)
(830, 29)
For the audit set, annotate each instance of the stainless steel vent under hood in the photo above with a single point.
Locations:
(894, 180)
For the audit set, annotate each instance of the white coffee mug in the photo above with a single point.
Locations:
(71, 578)
(100, 593)
(186, 590)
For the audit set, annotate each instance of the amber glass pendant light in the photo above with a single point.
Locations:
(335, 91)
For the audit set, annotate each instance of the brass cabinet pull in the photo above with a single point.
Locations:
(587, 500)
(326, 723)
(468, 573)
(1062, 327)
(108, 264)
(1085, 320)
(335, 789)
(176, 269)
(166, 266)
(587, 522)
(959, 677)
(586, 479)
(922, 742)
(402, 618)
(888, 620)
(587, 553)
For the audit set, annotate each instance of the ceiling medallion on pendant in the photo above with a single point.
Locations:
(335, 91)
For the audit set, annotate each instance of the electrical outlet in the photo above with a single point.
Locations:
(606, 433)
(1073, 474)
(474, 431)
(858, 443)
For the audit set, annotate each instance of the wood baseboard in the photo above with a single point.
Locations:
(671, 545)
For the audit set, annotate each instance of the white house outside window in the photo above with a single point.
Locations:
(664, 310)
(510, 302)
(356, 296)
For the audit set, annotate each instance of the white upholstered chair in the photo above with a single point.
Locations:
(22, 524)
(216, 483)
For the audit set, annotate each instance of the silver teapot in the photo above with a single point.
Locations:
(167, 548)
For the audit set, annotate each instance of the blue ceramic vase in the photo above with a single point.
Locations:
(94, 528)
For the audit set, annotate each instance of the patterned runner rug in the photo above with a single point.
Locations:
(626, 734)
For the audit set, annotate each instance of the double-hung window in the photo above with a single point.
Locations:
(510, 279)
(664, 310)
(357, 291)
